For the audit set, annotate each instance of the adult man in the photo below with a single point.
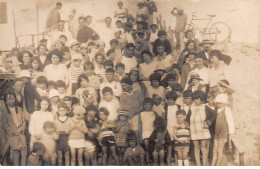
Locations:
(54, 16)
(84, 32)
(151, 6)
(181, 21)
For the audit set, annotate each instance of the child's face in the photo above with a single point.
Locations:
(147, 106)
(110, 76)
(61, 89)
(10, 99)
(220, 105)
(58, 45)
(62, 111)
(89, 71)
(162, 38)
(147, 58)
(99, 59)
(44, 105)
(63, 40)
(18, 86)
(118, 34)
(84, 83)
(66, 56)
(49, 130)
(210, 101)
(35, 65)
(130, 51)
(134, 76)
(79, 116)
(126, 87)
(26, 58)
(112, 56)
(178, 93)
(170, 102)
(157, 100)
(75, 47)
(40, 152)
(180, 118)
(108, 96)
(42, 50)
(187, 100)
(42, 85)
(171, 82)
(199, 62)
(77, 62)
(113, 45)
(102, 116)
(155, 83)
(160, 50)
(55, 59)
(120, 70)
(197, 102)
(55, 99)
(191, 57)
(69, 103)
(91, 113)
(132, 143)
(122, 118)
(119, 25)
(153, 28)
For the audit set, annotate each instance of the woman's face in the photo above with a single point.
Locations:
(102, 116)
(215, 60)
(42, 50)
(66, 56)
(44, 105)
(35, 65)
(134, 76)
(84, 83)
(99, 59)
(26, 58)
(55, 59)
(58, 45)
(147, 58)
(191, 46)
(10, 100)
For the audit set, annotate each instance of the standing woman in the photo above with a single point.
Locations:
(14, 124)
(56, 71)
(42, 49)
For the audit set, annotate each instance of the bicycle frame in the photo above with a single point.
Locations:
(210, 22)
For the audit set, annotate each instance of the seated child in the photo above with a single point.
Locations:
(93, 80)
(155, 87)
(160, 141)
(120, 72)
(134, 154)
(181, 135)
(35, 158)
(41, 86)
(61, 88)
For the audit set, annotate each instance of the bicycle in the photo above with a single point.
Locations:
(218, 32)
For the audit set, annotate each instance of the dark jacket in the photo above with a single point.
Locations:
(30, 94)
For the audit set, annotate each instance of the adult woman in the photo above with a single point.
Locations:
(98, 64)
(56, 71)
(25, 58)
(189, 47)
(42, 49)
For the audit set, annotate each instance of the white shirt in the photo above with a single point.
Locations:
(147, 118)
(219, 73)
(57, 72)
(171, 119)
(112, 106)
(129, 63)
(128, 36)
(115, 86)
(203, 73)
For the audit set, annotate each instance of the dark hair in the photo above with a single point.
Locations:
(63, 105)
(48, 124)
(216, 53)
(40, 45)
(75, 100)
(171, 95)
(131, 135)
(45, 98)
(161, 32)
(182, 112)
(63, 36)
(82, 17)
(148, 100)
(58, 4)
(113, 41)
(20, 57)
(67, 98)
(187, 93)
(120, 65)
(88, 64)
(186, 33)
(160, 122)
(100, 54)
(110, 70)
(38, 60)
(110, 51)
(128, 45)
(198, 94)
(42, 79)
(82, 76)
(118, 21)
(103, 109)
(65, 49)
(60, 83)
(10, 92)
(131, 71)
(50, 82)
(107, 89)
(55, 52)
(38, 146)
(108, 63)
(146, 52)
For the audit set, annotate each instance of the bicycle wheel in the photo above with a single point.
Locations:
(219, 32)
(190, 27)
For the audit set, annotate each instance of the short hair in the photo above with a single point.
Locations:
(110, 70)
(104, 110)
(171, 95)
(161, 33)
(40, 45)
(160, 122)
(146, 52)
(100, 54)
(60, 83)
(48, 124)
(216, 53)
(108, 17)
(187, 93)
(63, 105)
(42, 80)
(107, 89)
(108, 63)
(128, 45)
(91, 108)
(51, 82)
(148, 100)
(159, 43)
(82, 76)
(186, 33)
(118, 21)
(65, 49)
(38, 146)
(113, 41)
(67, 98)
(110, 51)
(120, 65)
(82, 17)
(20, 57)
(75, 100)
(88, 65)
(38, 60)
(58, 4)
(63, 36)
(182, 112)
(198, 94)
(55, 52)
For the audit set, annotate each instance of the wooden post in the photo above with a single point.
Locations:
(15, 38)
(37, 11)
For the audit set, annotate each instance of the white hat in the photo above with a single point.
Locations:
(53, 93)
(25, 73)
(74, 42)
(221, 98)
(76, 57)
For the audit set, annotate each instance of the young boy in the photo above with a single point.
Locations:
(170, 80)
(158, 105)
(154, 32)
(41, 86)
(181, 135)
(94, 80)
(155, 87)
(128, 59)
(187, 100)
(61, 88)
(115, 86)
(178, 89)
(110, 103)
(35, 158)
(120, 72)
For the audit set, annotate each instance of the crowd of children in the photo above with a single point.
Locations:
(138, 101)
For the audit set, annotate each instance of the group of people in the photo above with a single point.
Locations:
(85, 98)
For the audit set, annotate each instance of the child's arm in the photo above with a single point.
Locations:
(83, 128)
(55, 136)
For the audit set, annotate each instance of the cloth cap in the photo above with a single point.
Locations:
(79, 110)
(74, 42)
(25, 73)
(53, 93)
(194, 76)
(221, 98)
(206, 41)
(127, 80)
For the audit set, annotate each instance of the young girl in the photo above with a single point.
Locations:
(158, 105)
(160, 141)
(224, 130)
(14, 124)
(224, 87)
(147, 118)
(35, 158)
(77, 130)
(137, 84)
(155, 87)
(83, 84)
(55, 100)
(41, 86)
(94, 80)
(60, 125)
(36, 65)
(48, 139)
(98, 64)
(106, 136)
(61, 88)
(38, 118)
(121, 131)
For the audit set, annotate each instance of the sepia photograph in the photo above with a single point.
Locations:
(129, 83)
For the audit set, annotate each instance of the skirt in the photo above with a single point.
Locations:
(79, 143)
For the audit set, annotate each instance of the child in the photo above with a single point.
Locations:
(158, 105)
(36, 72)
(41, 86)
(48, 139)
(75, 71)
(187, 101)
(199, 130)
(121, 131)
(77, 130)
(147, 118)
(224, 87)
(154, 32)
(14, 124)
(224, 130)
(110, 102)
(66, 56)
(61, 88)
(178, 89)
(120, 72)
(155, 87)
(194, 83)
(181, 135)
(94, 80)
(106, 136)
(90, 150)
(38, 118)
(55, 99)
(160, 141)
(134, 154)
(170, 80)
(88, 97)
(51, 85)
(83, 84)
(128, 59)
(137, 85)
(62, 142)
(35, 158)
(115, 86)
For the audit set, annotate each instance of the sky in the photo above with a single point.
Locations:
(243, 16)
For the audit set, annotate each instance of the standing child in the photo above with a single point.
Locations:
(48, 139)
(147, 118)
(158, 105)
(36, 72)
(41, 86)
(121, 131)
(224, 130)
(35, 158)
(55, 99)
(61, 88)
(120, 72)
(106, 136)
(160, 141)
(77, 130)
(14, 124)
(63, 149)
(181, 134)
(155, 87)
(94, 80)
